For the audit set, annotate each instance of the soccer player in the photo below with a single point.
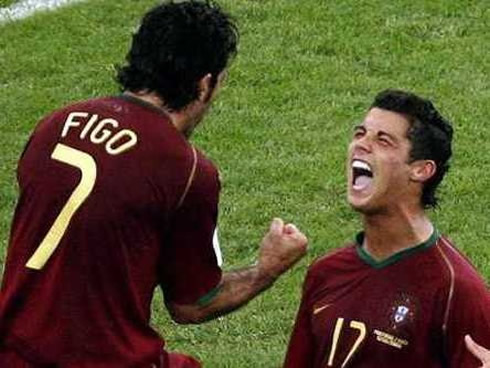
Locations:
(115, 202)
(400, 295)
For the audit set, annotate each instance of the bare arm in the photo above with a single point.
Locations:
(478, 351)
(236, 289)
(280, 249)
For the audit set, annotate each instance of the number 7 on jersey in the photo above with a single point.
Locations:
(88, 168)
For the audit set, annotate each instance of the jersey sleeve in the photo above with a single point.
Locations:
(189, 265)
(300, 352)
(468, 313)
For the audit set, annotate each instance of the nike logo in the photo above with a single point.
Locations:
(319, 309)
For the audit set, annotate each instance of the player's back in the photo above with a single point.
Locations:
(98, 182)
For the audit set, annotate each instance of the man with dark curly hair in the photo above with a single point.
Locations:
(401, 295)
(115, 201)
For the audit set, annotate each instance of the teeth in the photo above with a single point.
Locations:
(357, 164)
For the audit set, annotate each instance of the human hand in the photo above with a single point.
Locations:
(281, 248)
(478, 351)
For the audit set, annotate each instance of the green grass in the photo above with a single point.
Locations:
(306, 72)
(5, 3)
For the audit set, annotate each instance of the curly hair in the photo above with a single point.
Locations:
(175, 46)
(430, 135)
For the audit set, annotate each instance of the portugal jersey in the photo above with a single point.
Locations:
(409, 311)
(113, 203)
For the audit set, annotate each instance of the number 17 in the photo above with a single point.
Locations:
(356, 325)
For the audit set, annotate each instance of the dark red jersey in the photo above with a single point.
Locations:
(113, 203)
(411, 310)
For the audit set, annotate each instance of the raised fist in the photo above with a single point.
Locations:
(282, 246)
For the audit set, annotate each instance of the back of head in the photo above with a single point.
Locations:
(176, 45)
(430, 134)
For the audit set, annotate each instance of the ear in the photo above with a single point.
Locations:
(205, 88)
(422, 170)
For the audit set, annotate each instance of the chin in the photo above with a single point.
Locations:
(362, 205)
(355, 203)
(358, 207)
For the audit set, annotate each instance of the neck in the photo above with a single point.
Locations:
(179, 119)
(387, 234)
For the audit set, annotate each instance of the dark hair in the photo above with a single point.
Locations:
(430, 134)
(175, 46)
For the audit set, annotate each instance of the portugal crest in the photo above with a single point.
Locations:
(400, 313)
(403, 311)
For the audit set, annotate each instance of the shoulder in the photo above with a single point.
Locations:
(333, 261)
(206, 170)
(466, 296)
(342, 254)
(205, 179)
(79, 113)
(457, 265)
(463, 283)
(335, 266)
(203, 183)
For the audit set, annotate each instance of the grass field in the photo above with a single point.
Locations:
(305, 74)
(4, 3)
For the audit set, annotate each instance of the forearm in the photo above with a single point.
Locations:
(280, 249)
(236, 289)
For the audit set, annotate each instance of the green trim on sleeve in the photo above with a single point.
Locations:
(206, 299)
(366, 257)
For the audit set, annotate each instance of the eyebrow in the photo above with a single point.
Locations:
(379, 133)
(383, 133)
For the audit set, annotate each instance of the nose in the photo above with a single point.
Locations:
(362, 144)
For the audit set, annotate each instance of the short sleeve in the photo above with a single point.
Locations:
(469, 313)
(189, 269)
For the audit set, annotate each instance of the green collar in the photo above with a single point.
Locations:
(366, 257)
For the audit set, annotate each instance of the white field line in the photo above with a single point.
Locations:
(25, 8)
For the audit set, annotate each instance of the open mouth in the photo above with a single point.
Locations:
(362, 175)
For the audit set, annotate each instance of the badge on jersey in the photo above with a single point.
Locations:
(403, 311)
(400, 313)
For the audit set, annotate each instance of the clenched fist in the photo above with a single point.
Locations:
(281, 248)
